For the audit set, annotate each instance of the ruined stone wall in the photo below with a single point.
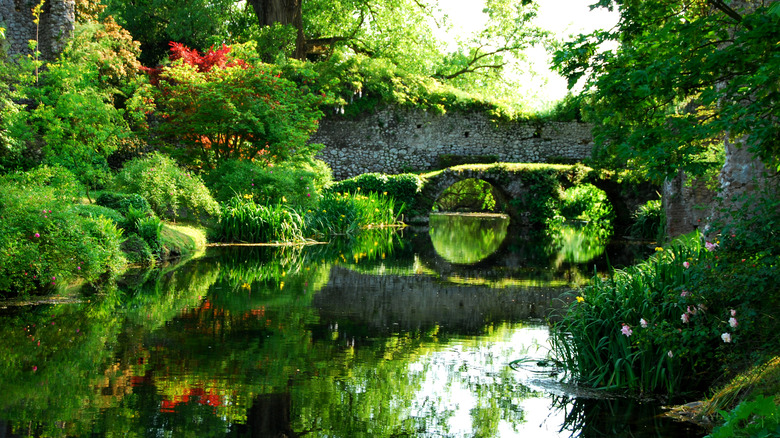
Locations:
(55, 28)
(396, 140)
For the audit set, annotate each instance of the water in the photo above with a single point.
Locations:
(395, 334)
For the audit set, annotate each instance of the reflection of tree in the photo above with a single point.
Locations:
(466, 239)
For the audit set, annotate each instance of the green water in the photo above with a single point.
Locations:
(387, 335)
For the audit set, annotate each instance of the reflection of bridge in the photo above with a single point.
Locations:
(521, 181)
(390, 303)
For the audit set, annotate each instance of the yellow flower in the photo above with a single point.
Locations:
(580, 299)
(658, 249)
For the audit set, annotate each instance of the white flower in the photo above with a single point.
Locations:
(643, 323)
(726, 337)
(733, 322)
(670, 353)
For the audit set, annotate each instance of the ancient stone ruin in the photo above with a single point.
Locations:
(56, 26)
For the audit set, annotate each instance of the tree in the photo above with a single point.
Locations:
(686, 74)
(284, 12)
(217, 107)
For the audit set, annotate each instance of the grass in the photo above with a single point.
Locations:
(187, 240)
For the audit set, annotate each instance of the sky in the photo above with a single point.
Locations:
(563, 17)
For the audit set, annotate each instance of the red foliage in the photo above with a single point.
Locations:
(204, 62)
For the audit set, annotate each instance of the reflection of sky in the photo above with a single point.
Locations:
(452, 376)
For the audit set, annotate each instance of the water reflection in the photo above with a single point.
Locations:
(358, 338)
(467, 238)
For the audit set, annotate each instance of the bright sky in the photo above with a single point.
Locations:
(563, 17)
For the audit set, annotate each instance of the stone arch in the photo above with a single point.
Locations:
(508, 181)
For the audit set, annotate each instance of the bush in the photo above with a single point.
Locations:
(122, 202)
(297, 183)
(149, 229)
(171, 192)
(756, 418)
(402, 187)
(44, 242)
(137, 250)
(648, 221)
(96, 211)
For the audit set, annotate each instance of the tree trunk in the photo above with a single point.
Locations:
(269, 12)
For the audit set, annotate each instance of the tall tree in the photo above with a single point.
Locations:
(284, 12)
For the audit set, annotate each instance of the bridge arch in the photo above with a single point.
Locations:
(529, 185)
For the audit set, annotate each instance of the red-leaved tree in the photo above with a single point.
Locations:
(217, 107)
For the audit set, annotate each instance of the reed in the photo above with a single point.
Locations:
(242, 220)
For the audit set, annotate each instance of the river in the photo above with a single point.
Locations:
(407, 332)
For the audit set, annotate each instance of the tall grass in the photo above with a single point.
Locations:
(346, 214)
(242, 220)
(602, 339)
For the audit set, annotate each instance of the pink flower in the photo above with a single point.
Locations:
(733, 322)
(35, 368)
(692, 311)
(726, 337)
(685, 318)
(710, 246)
(626, 330)
(684, 293)
(686, 265)
(733, 312)
(643, 323)
(37, 235)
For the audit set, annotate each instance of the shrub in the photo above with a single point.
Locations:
(171, 192)
(648, 221)
(149, 229)
(122, 202)
(242, 220)
(44, 242)
(95, 211)
(402, 187)
(750, 419)
(295, 182)
(137, 250)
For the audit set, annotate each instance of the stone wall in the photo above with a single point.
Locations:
(55, 27)
(395, 141)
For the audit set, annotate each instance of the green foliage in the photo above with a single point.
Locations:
(758, 418)
(469, 195)
(243, 220)
(171, 192)
(585, 202)
(223, 109)
(154, 23)
(348, 213)
(137, 250)
(297, 182)
(44, 242)
(149, 229)
(684, 75)
(648, 221)
(753, 227)
(449, 160)
(686, 316)
(122, 202)
(403, 188)
(95, 211)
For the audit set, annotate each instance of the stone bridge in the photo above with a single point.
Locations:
(526, 185)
